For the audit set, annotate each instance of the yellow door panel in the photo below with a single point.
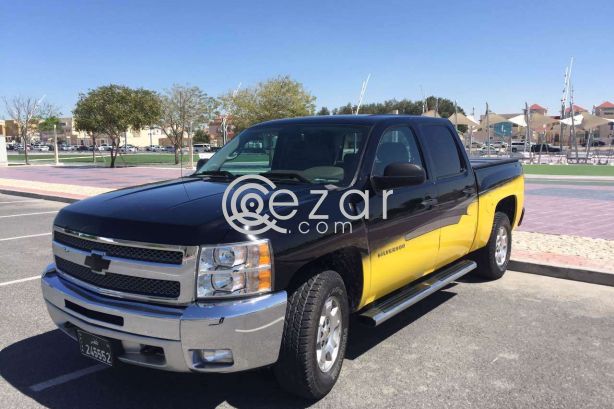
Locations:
(400, 262)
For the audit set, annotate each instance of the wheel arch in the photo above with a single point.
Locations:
(347, 262)
(507, 205)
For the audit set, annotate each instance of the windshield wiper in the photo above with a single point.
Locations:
(215, 173)
(285, 176)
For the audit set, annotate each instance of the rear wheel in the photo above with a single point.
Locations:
(493, 259)
(315, 336)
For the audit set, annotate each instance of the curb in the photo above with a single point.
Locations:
(564, 272)
(54, 198)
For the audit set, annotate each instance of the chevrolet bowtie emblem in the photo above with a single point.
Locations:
(97, 263)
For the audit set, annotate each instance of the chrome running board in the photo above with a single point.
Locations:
(389, 306)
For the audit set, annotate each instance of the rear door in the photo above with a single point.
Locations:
(403, 247)
(457, 207)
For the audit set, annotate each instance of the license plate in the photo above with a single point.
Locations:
(95, 347)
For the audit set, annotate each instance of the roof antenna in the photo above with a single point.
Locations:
(363, 89)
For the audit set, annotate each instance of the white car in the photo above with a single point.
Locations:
(128, 149)
(201, 147)
(40, 148)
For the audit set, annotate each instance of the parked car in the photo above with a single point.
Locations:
(201, 147)
(104, 147)
(595, 143)
(544, 147)
(40, 148)
(192, 290)
(154, 148)
(67, 148)
(519, 146)
(83, 148)
(128, 149)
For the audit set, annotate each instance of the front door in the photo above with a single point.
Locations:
(404, 246)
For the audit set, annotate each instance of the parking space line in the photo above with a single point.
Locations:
(21, 280)
(67, 377)
(25, 237)
(26, 214)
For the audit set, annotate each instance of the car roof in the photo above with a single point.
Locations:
(368, 120)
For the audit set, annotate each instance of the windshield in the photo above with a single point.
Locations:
(301, 153)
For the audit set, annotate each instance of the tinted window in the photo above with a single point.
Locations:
(396, 145)
(441, 144)
(317, 153)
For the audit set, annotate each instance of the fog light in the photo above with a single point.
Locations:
(206, 357)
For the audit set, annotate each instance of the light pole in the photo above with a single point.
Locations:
(55, 145)
(150, 138)
(191, 147)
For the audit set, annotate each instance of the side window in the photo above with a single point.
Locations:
(441, 145)
(396, 145)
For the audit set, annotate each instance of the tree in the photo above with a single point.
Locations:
(201, 136)
(113, 110)
(27, 112)
(184, 107)
(323, 111)
(403, 106)
(280, 97)
(47, 124)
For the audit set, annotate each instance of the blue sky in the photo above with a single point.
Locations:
(503, 52)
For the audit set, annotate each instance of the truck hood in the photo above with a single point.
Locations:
(184, 211)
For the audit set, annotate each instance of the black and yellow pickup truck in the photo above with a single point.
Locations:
(259, 257)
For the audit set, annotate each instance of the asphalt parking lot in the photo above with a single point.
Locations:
(523, 341)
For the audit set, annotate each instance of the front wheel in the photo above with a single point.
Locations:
(493, 259)
(315, 336)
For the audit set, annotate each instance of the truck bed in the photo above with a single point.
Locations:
(490, 173)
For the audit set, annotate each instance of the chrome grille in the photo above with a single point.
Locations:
(119, 282)
(149, 272)
(115, 250)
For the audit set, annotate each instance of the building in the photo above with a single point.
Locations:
(605, 132)
(538, 109)
(215, 131)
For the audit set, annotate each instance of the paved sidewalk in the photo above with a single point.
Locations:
(79, 182)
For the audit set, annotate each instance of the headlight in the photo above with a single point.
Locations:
(234, 269)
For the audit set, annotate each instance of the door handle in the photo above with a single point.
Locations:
(429, 203)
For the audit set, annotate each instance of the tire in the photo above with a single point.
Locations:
(298, 370)
(493, 259)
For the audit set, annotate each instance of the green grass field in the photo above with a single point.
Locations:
(126, 159)
(572, 170)
(169, 159)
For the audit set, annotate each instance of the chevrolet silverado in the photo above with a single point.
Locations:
(377, 212)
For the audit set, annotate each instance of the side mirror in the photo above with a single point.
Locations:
(399, 174)
(200, 163)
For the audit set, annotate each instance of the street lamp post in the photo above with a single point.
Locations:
(191, 146)
(55, 145)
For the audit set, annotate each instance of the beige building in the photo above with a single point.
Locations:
(605, 132)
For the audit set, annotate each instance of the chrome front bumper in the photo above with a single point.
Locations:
(172, 337)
